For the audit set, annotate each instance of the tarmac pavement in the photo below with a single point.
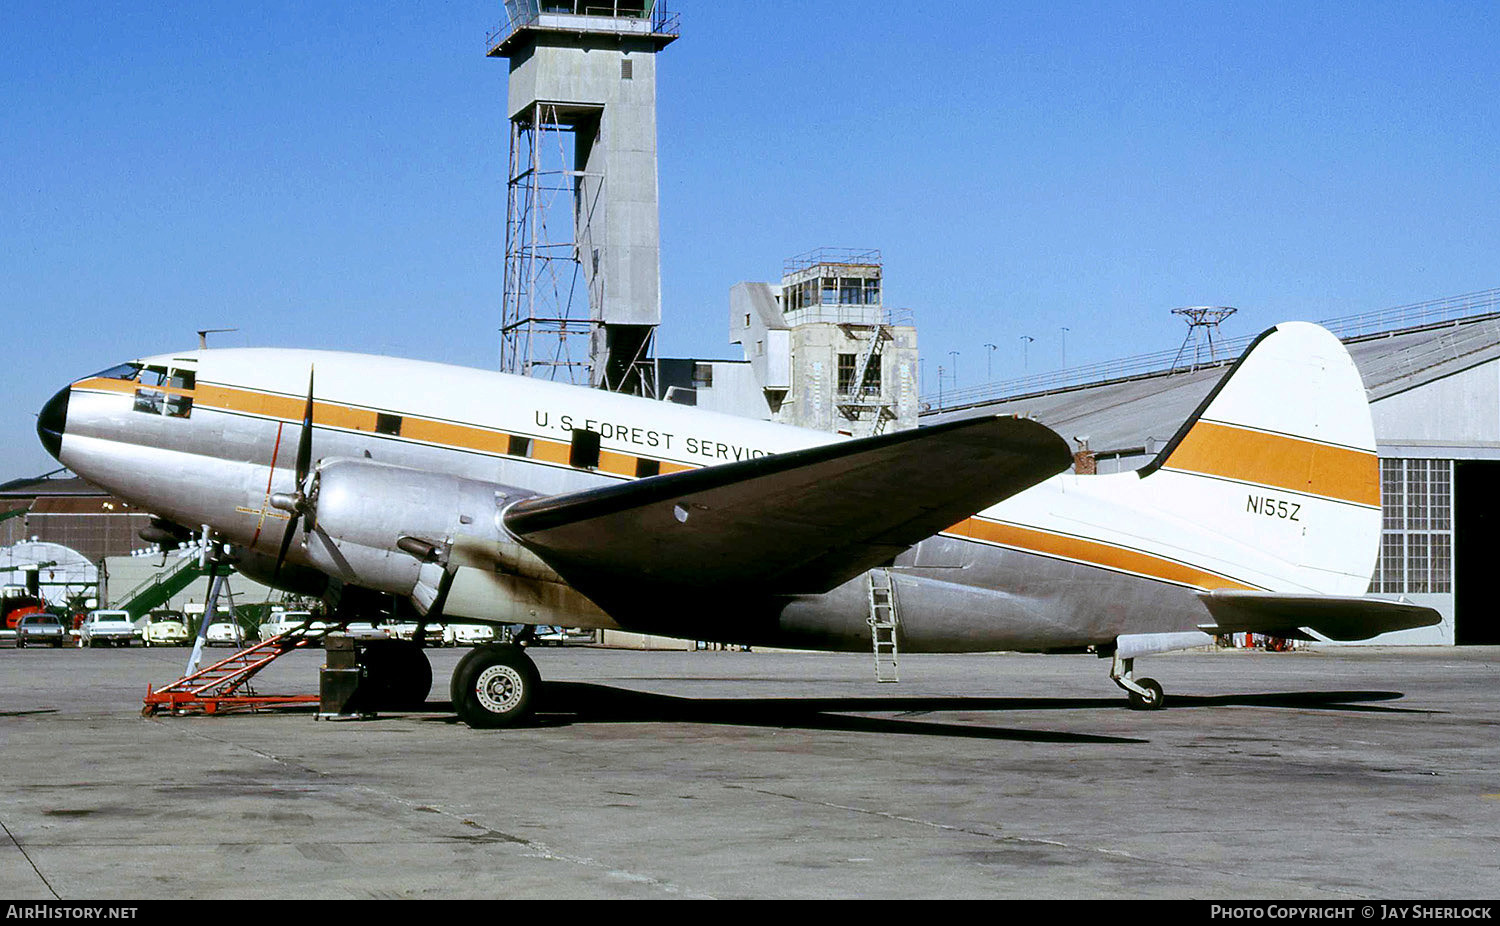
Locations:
(1340, 774)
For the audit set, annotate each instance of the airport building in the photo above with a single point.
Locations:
(1432, 374)
(821, 351)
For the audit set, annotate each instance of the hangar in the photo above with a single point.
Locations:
(1432, 373)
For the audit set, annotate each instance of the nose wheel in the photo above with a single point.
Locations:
(1145, 694)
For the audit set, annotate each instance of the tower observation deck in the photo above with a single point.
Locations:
(582, 238)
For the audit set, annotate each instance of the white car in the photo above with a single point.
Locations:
(364, 630)
(106, 628)
(547, 635)
(165, 628)
(281, 622)
(407, 630)
(468, 634)
(226, 631)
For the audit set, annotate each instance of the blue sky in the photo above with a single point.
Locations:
(332, 176)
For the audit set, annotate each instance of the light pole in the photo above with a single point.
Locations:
(1065, 347)
(989, 375)
(954, 355)
(940, 386)
(1026, 340)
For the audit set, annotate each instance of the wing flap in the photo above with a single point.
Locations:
(799, 522)
(1336, 617)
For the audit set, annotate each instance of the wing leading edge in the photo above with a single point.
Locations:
(794, 523)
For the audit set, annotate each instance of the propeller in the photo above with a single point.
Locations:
(299, 503)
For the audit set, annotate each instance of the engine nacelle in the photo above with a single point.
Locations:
(377, 525)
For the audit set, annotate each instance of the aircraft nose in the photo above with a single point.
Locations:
(53, 420)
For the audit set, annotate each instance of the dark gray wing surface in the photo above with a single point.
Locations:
(799, 522)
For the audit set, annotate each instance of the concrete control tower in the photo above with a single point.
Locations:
(582, 250)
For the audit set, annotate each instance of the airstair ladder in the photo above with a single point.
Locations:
(883, 622)
(225, 685)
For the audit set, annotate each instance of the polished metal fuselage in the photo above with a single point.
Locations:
(1067, 564)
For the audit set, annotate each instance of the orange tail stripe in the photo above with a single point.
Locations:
(1283, 462)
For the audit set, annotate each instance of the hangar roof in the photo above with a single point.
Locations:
(1139, 413)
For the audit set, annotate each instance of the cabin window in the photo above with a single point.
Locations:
(388, 424)
(584, 452)
(179, 406)
(644, 468)
(123, 371)
(519, 446)
(149, 401)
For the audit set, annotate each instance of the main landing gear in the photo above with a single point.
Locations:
(495, 685)
(1145, 693)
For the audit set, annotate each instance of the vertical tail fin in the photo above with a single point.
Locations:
(1281, 456)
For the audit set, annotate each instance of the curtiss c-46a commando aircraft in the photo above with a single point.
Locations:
(503, 499)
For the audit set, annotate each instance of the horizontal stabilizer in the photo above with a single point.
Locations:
(1336, 617)
(798, 522)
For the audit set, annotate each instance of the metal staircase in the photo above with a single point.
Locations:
(858, 401)
(225, 685)
(883, 622)
(159, 589)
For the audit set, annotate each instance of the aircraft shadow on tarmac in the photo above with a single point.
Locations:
(566, 703)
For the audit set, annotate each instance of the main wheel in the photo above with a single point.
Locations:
(1150, 701)
(495, 686)
(398, 676)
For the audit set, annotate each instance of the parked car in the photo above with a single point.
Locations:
(39, 628)
(364, 630)
(165, 628)
(282, 621)
(106, 628)
(548, 635)
(468, 634)
(225, 631)
(407, 630)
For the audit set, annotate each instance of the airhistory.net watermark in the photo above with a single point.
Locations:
(44, 911)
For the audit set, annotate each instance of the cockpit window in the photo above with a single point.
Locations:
(123, 371)
(182, 379)
(154, 376)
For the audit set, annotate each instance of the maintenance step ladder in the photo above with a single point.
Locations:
(225, 685)
(883, 623)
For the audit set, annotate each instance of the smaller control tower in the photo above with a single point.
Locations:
(582, 248)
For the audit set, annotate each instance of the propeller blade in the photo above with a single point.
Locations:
(286, 544)
(304, 440)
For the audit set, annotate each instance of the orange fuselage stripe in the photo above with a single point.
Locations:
(1092, 552)
(423, 430)
(1279, 461)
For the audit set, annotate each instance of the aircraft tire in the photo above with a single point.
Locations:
(495, 686)
(1152, 701)
(398, 676)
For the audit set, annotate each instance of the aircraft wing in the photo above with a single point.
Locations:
(1337, 617)
(798, 522)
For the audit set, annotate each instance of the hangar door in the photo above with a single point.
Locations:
(1476, 548)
